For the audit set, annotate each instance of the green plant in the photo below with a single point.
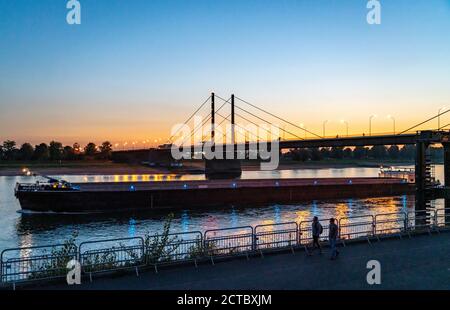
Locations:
(158, 248)
(98, 261)
(199, 250)
(54, 263)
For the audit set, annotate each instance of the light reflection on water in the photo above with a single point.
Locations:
(39, 229)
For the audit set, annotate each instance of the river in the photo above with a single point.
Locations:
(19, 229)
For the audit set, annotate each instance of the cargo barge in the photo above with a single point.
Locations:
(64, 197)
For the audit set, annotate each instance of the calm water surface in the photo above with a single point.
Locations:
(23, 229)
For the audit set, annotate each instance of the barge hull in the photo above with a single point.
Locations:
(100, 197)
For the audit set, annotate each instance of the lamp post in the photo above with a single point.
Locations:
(370, 123)
(346, 125)
(439, 117)
(324, 123)
(304, 128)
(393, 120)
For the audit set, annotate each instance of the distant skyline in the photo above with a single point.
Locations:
(133, 69)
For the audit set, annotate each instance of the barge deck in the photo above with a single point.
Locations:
(120, 196)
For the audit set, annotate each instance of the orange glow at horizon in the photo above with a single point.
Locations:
(130, 131)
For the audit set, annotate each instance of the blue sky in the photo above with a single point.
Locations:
(132, 69)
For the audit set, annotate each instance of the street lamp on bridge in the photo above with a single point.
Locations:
(324, 123)
(439, 117)
(370, 123)
(393, 120)
(346, 125)
(304, 128)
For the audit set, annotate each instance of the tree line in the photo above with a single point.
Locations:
(54, 151)
(380, 152)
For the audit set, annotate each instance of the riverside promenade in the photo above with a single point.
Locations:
(420, 262)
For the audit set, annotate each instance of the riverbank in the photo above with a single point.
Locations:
(402, 262)
(88, 168)
(190, 167)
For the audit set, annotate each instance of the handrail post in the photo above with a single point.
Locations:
(435, 224)
(406, 221)
(339, 228)
(373, 225)
(253, 239)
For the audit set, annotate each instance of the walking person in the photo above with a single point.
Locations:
(332, 238)
(317, 230)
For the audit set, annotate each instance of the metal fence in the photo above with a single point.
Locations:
(442, 218)
(111, 254)
(228, 241)
(390, 223)
(174, 248)
(422, 220)
(35, 263)
(356, 227)
(276, 236)
(305, 231)
(50, 262)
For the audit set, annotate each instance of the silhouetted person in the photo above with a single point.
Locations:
(317, 229)
(332, 238)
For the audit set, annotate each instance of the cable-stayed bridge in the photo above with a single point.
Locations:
(241, 138)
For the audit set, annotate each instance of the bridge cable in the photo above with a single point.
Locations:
(246, 119)
(442, 127)
(204, 122)
(190, 117)
(223, 119)
(264, 120)
(237, 114)
(283, 120)
(255, 135)
(430, 119)
(282, 129)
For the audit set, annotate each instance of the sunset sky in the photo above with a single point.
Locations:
(133, 69)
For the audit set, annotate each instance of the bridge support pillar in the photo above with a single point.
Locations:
(213, 120)
(421, 171)
(160, 158)
(223, 168)
(446, 146)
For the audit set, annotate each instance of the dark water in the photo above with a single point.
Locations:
(22, 229)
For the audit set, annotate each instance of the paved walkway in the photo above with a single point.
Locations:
(422, 262)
